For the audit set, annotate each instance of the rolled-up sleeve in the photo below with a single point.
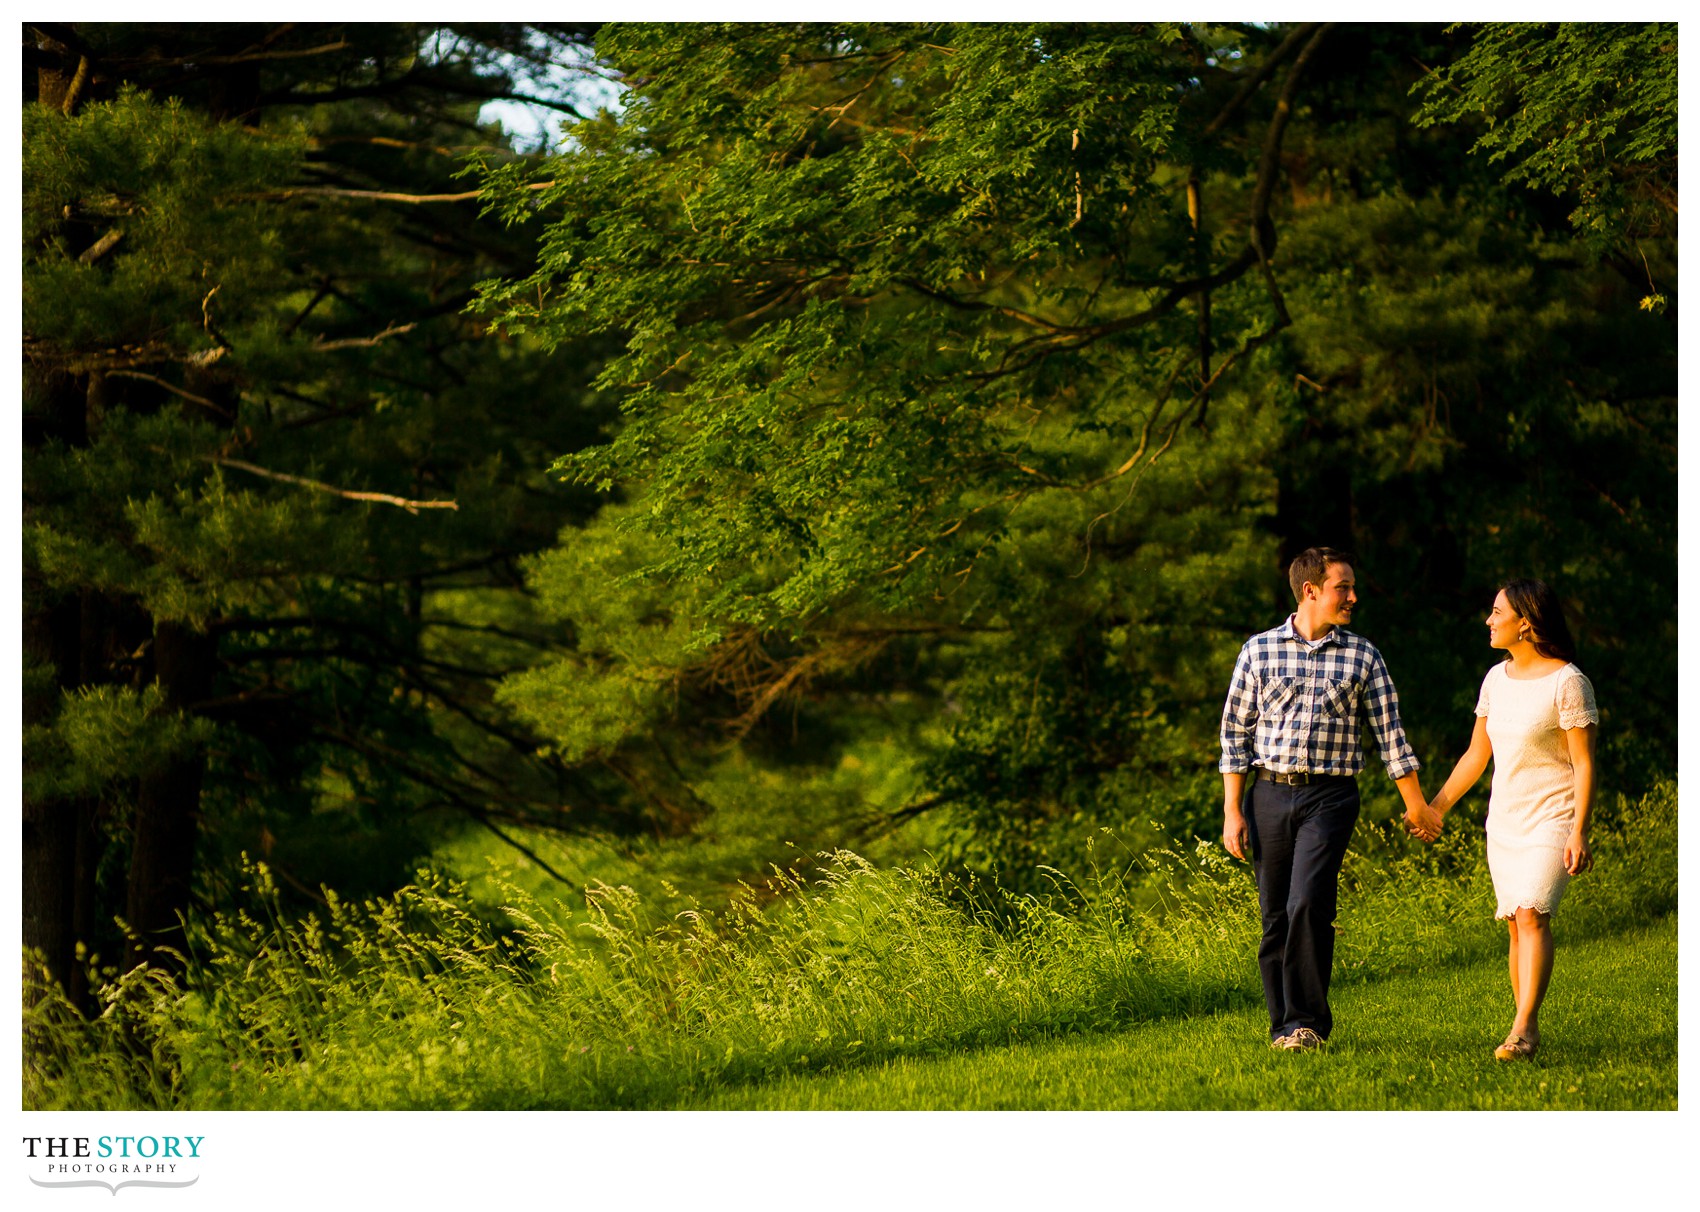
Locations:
(1381, 713)
(1239, 716)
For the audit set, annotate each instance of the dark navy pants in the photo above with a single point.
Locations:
(1298, 840)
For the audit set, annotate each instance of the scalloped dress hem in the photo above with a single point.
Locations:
(1504, 914)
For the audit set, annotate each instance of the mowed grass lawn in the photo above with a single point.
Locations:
(1419, 1041)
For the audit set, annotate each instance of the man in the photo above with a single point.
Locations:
(1291, 723)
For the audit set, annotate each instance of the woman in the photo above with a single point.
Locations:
(1536, 719)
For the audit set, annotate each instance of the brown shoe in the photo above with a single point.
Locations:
(1515, 1047)
(1302, 1040)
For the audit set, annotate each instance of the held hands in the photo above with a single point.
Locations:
(1424, 821)
(1577, 857)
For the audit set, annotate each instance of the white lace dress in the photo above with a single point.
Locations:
(1533, 805)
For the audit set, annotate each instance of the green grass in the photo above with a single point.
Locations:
(1417, 1041)
(419, 1001)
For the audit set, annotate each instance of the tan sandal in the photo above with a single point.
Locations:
(1515, 1047)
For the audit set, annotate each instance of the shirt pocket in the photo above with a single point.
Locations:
(1340, 697)
(1281, 697)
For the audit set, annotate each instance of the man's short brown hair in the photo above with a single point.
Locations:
(1311, 565)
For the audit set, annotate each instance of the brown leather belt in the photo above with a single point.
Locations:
(1299, 778)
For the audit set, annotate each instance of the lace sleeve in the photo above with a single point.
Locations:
(1576, 701)
(1482, 699)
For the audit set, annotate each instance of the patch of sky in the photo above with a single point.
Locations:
(565, 73)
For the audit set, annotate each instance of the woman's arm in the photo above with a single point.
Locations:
(1466, 772)
(1577, 857)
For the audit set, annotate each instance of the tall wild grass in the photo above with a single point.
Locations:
(418, 1001)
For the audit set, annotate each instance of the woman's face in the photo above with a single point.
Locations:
(1505, 626)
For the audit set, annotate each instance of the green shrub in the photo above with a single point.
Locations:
(417, 1001)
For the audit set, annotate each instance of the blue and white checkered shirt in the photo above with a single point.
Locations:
(1297, 706)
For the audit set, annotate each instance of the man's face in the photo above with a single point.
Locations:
(1336, 596)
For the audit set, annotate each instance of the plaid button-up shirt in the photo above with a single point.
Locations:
(1296, 706)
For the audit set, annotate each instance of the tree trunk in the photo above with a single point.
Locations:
(168, 804)
(50, 833)
(52, 83)
(54, 882)
(168, 800)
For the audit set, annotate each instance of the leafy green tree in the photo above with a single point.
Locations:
(956, 394)
(976, 382)
(277, 486)
(1584, 111)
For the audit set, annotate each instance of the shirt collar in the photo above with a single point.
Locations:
(1288, 631)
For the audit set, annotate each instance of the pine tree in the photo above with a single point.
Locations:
(277, 485)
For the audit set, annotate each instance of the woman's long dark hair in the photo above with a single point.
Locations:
(1536, 601)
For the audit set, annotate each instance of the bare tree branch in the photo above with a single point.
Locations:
(174, 390)
(380, 498)
(1263, 72)
(1268, 167)
(375, 195)
(394, 330)
(483, 818)
(254, 54)
(437, 81)
(75, 90)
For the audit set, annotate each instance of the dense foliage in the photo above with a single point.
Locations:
(1584, 111)
(416, 1002)
(879, 435)
(276, 483)
(977, 381)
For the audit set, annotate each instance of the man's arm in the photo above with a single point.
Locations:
(1420, 819)
(1381, 708)
(1235, 836)
(1239, 718)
